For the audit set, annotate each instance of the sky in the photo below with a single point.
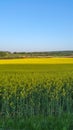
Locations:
(36, 25)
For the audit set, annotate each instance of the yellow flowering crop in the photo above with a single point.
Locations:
(38, 61)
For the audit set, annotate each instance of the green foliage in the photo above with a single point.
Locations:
(64, 122)
(28, 91)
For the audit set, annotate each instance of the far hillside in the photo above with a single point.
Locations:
(9, 55)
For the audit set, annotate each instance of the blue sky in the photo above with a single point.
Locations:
(36, 25)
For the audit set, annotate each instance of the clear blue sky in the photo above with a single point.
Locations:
(36, 25)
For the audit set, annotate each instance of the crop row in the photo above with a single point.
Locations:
(28, 94)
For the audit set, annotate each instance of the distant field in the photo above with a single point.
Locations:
(38, 61)
(37, 68)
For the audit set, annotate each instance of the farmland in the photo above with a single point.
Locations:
(36, 94)
(38, 61)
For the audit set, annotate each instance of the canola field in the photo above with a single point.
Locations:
(31, 89)
(38, 61)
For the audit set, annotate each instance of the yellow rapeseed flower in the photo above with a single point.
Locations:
(38, 61)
